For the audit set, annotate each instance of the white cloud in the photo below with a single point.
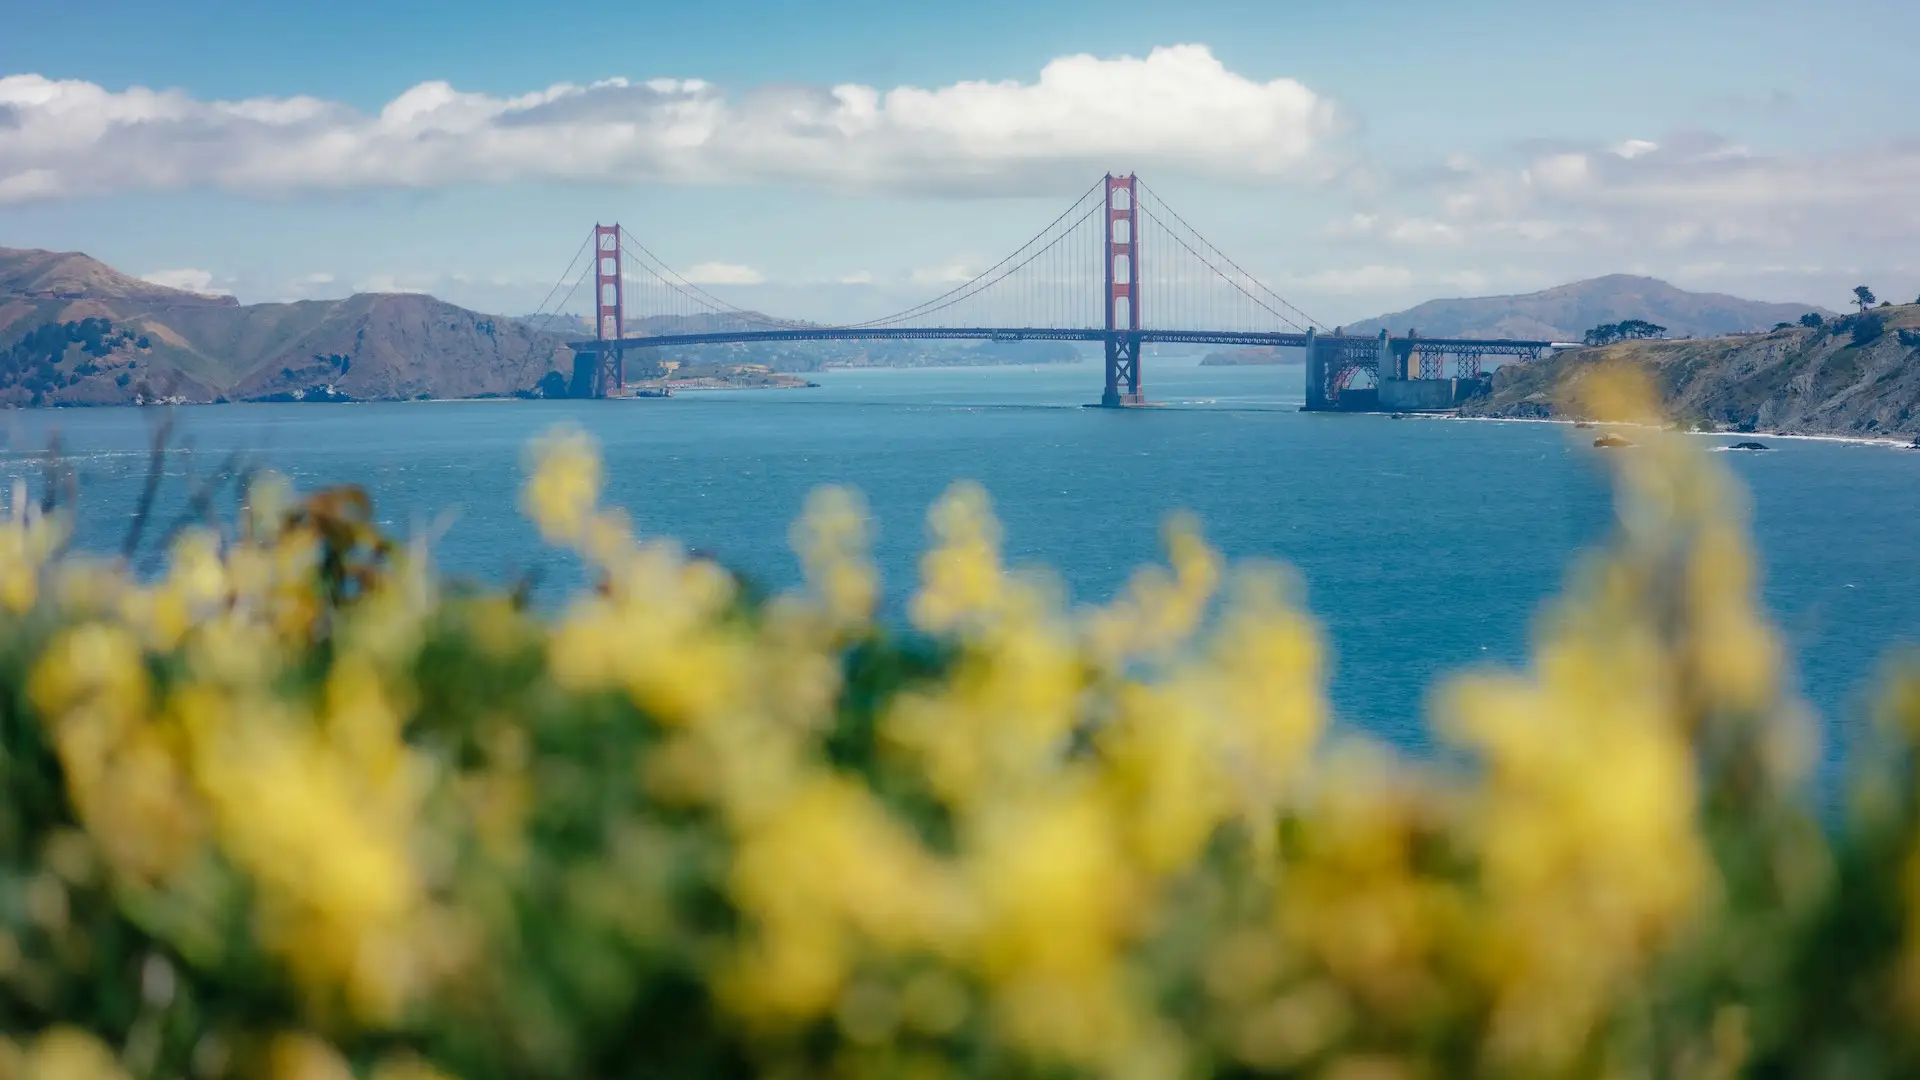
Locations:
(1697, 192)
(858, 277)
(1694, 207)
(1423, 232)
(719, 273)
(1361, 280)
(1408, 231)
(188, 278)
(1081, 115)
(316, 285)
(954, 273)
(396, 283)
(1559, 172)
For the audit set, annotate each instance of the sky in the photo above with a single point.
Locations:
(839, 160)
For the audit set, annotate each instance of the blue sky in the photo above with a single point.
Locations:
(1358, 157)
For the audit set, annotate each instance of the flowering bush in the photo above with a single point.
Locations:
(298, 809)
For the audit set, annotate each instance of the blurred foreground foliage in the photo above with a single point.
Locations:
(298, 809)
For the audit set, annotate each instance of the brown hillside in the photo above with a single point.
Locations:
(33, 274)
(176, 345)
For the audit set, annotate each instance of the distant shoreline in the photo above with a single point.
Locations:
(1896, 443)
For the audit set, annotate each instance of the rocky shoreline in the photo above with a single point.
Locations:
(1854, 377)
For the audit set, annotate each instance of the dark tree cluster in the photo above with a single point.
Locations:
(33, 361)
(1864, 328)
(1812, 320)
(1625, 330)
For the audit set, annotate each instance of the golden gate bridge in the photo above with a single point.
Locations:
(1118, 266)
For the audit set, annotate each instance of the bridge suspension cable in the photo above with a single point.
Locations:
(545, 316)
(991, 275)
(979, 284)
(1057, 280)
(1153, 198)
(665, 277)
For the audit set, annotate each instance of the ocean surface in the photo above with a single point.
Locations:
(1424, 545)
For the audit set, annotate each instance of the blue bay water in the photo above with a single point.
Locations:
(1424, 546)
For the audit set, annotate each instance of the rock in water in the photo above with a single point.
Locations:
(1749, 446)
(1610, 439)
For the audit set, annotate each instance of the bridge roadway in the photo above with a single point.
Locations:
(1482, 346)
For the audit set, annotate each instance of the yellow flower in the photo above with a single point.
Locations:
(831, 539)
(565, 486)
(961, 579)
(1160, 610)
(65, 1053)
(298, 1056)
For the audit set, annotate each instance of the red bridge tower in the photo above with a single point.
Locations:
(610, 369)
(1123, 294)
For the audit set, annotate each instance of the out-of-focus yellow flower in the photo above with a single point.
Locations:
(28, 539)
(1618, 392)
(406, 1068)
(565, 486)
(123, 770)
(1734, 651)
(830, 871)
(341, 896)
(299, 1056)
(961, 579)
(1108, 843)
(831, 539)
(1160, 610)
(65, 1053)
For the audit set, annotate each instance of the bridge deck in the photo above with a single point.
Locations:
(1506, 346)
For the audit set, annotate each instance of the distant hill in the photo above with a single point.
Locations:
(1567, 312)
(73, 330)
(30, 275)
(1855, 375)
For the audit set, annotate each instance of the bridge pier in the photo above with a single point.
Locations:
(1316, 400)
(586, 374)
(1123, 371)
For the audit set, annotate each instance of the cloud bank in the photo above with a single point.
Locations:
(1691, 192)
(1697, 208)
(719, 273)
(188, 278)
(1082, 114)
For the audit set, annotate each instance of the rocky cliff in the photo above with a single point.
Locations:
(1857, 375)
